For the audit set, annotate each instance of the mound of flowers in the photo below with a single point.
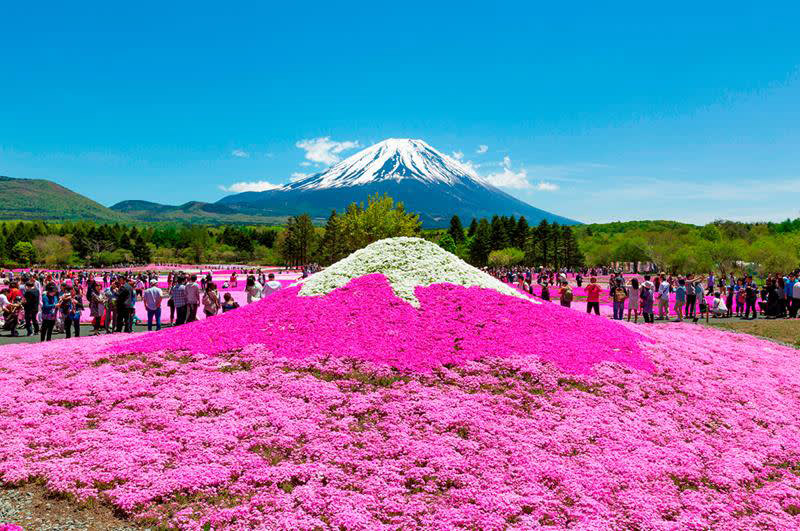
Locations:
(355, 409)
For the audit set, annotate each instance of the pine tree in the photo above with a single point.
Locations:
(481, 244)
(499, 237)
(543, 242)
(555, 244)
(299, 240)
(331, 246)
(473, 226)
(511, 228)
(520, 237)
(456, 230)
(141, 251)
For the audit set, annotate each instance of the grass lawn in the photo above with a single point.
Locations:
(783, 330)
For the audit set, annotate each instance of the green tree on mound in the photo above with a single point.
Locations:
(382, 218)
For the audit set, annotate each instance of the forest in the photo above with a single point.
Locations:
(499, 241)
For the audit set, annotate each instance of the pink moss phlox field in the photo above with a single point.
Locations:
(356, 410)
(242, 440)
(364, 320)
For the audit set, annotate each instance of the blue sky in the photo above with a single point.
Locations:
(685, 111)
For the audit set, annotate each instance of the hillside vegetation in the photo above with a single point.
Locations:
(39, 199)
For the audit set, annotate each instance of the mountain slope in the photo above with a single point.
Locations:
(39, 199)
(192, 212)
(428, 182)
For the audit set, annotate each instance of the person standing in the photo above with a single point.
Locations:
(31, 298)
(152, 297)
(593, 296)
(750, 296)
(795, 297)
(71, 308)
(49, 312)
(192, 299)
(691, 299)
(96, 305)
(565, 294)
(710, 283)
(680, 299)
(210, 300)
(110, 295)
(618, 296)
(646, 296)
(178, 297)
(663, 299)
(121, 309)
(633, 300)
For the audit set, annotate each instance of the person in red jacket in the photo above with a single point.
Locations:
(593, 296)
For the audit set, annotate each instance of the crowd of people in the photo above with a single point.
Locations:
(777, 296)
(46, 302)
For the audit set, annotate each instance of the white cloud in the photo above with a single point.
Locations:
(240, 153)
(251, 186)
(458, 155)
(508, 178)
(305, 163)
(545, 186)
(324, 150)
(298, 176)
(483, 148)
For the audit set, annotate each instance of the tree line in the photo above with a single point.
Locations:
(80, 244)
(506, 241)
(721, 246)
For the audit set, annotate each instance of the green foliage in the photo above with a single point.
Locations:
(447, 243)
(359, 226)
(473, 226)
(506, 257)
(456, 230)
(299, 241)
(53, 250)
(481, 244)
(23, 253)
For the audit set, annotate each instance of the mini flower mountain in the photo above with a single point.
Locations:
(406, 263)
(406, 304)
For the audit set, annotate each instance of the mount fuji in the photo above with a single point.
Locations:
(427, 181)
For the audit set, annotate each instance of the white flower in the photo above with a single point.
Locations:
(406, 263)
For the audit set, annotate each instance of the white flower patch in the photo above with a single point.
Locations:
(406, 263)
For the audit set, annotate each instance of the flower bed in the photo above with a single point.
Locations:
(355, 409)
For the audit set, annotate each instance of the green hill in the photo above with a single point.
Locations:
(193, 212)
(39, 199)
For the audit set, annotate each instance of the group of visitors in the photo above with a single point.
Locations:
(48, 302)
(693, 297)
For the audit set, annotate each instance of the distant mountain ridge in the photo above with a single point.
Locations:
(192, 212)
(425, 180)
(428, 182)
(40, 199)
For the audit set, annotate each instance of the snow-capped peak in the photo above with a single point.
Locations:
(393, 159)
